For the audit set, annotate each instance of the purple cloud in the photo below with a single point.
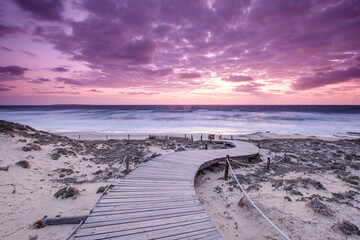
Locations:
(29, 53)
(13, 70)
(59, 69)
(249, 88)
(238, 78)
(4, 89)
(139, 93)
(69, 81)
(40, 80)
(43, 9)
(8, 30)
(321, 79)
(95, 91)
(142, 43)
(158, 72)
(138, 51)
(57, 92)
(6, 49)
(190, 75)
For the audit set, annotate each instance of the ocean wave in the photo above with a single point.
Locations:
(177, 119)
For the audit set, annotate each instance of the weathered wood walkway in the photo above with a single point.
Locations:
(158, 200)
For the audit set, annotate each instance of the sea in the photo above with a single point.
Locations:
(215, 119)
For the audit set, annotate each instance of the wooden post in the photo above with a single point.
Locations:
(206, 147)
(106, 137)
(185, 136)
(128, 136)
(79, 136)
(220, 137)
(268, 164)
(127, 163)
(231, 137)
(201, 137)
(227, 167)
(192, 138)
(285, 157)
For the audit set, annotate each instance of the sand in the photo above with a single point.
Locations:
(275, 191)
(27, 194)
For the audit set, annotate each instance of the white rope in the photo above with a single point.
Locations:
(254, 205)
(108, 186)
(281, 159)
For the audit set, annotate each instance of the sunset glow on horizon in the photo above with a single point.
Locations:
(179, 52)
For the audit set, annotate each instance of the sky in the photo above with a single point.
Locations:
(179, 52)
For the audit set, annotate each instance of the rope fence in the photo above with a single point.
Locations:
(252, 203)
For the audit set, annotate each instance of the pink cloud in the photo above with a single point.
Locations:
(59, 69)
(190, 75)
(69, 81)
(40, 80)
(238, 78)
(95, 91)
(320, 79)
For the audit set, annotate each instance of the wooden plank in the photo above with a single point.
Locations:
(129, 215)
(127, 202)
(152, 232)
(144, 224)
(143, 210)
(198, 235)
(144, 205)
(150, 218)
(158, 200)
(123, 200)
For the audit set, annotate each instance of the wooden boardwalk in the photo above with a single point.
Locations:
(158, 200)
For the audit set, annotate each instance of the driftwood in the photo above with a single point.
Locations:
(64, 220)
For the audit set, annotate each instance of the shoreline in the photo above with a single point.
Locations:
(256, 136)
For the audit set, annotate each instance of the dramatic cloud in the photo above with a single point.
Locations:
(69, 81)
(185, 45)
(13, 70)
(324, 78)
(238, 78)
(190, 75)
(59, 69)
(43, 9)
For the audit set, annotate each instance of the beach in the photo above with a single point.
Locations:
(313, 194)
